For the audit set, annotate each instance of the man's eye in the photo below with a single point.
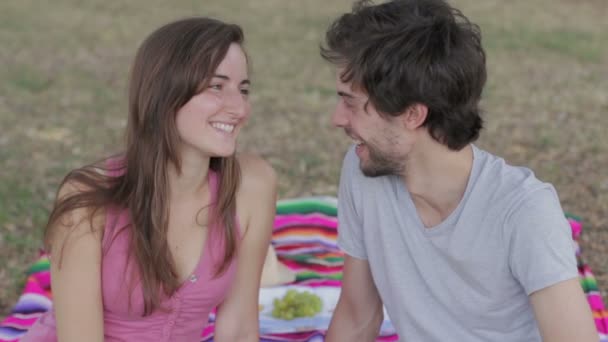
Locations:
(245, 91)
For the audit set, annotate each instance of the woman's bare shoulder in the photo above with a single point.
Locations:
(79, 222)
(257, 194)
(257, 173)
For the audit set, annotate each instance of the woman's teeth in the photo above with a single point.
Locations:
(223, 127)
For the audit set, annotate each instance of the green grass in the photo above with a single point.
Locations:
(63, 100)
(580, 45)
(24, 78)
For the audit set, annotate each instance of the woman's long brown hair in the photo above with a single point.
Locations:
(170, 67)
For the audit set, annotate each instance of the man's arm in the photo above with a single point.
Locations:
(542, 259)
(359, 314)
(563, 314)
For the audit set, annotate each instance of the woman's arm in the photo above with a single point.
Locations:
(76, 273)
(237, 317)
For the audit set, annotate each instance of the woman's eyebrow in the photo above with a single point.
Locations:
(224, 77)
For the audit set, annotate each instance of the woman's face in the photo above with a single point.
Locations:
(210, 121)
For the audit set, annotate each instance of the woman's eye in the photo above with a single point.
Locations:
(245, 91)
(216, 86)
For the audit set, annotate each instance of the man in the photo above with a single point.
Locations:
(457, 244)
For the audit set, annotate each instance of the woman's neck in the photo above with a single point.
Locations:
(191, 179)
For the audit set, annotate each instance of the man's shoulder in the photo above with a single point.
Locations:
(351, 160)
(505, 183)
(504, 176)
(351, 172)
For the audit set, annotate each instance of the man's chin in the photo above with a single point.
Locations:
(371, 169)
(365, 164)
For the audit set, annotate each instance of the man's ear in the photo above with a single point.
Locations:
(415, 115)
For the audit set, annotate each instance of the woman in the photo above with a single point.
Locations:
(145, 245)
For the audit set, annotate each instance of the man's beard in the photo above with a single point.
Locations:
(380, 163)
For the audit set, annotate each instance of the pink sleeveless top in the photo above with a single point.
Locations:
(185, 314)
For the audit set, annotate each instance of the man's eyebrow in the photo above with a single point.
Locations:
(224, 77)
(344, 94)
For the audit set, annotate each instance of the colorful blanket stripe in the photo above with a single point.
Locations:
(305, 240)
(589, 283)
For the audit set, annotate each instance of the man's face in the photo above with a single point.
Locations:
(381, 141)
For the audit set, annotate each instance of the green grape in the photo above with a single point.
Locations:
(296, 304)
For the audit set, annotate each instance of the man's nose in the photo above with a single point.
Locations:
(339, 118)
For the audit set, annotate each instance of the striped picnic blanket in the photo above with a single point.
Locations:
(305, 241)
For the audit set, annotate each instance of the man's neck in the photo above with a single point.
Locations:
(436, 179)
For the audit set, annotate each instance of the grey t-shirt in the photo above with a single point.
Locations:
(468, 278)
